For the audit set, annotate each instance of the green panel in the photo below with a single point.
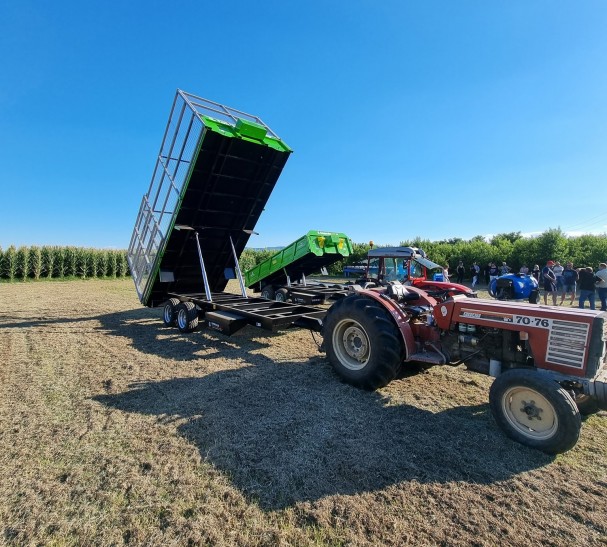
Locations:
(307, 255)
(251, 129)
(246, 130)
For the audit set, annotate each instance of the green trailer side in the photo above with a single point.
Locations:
(303, 257)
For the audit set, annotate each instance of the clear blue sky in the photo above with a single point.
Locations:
(436, 119)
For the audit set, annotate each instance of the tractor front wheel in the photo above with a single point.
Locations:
(535, 411)
(362, 342)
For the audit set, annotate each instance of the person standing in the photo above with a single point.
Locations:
(601, 285)
(536, 273)
(486, 272)
(493, 272)
(460, 270)
(558, 272)
(524, 269)
(475, 270)
(549, 282)
(570, 277)
(587, 279)
(446, 273)
(504, 269)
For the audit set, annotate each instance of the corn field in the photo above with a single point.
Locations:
(52, 262)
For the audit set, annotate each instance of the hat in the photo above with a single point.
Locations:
(550, 263)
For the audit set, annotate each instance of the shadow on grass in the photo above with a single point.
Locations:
(292, 432)
(145, 331)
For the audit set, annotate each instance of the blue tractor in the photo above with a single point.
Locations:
(515, 286)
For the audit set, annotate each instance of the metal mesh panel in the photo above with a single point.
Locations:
(162, 200)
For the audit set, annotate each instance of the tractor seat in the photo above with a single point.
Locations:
(399, 292)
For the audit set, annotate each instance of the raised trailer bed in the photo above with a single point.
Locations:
(214, 174)
(282, 277)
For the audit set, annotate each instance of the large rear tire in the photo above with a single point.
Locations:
(535, 411)
(362, 342)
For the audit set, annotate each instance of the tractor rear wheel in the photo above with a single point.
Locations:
(362, 342)
(535, 411)
(169, 313)
(187, 317)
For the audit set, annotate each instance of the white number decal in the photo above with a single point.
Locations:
(532, 321)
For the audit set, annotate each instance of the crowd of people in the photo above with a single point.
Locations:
(554, 280)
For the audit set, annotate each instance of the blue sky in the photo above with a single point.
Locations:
(436, 119)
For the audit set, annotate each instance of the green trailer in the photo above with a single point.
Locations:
(283, 276)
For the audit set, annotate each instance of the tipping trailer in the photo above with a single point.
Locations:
(283, 276)
(215, 171)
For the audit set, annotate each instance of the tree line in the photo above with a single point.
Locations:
(54, 262)
(513, 248)
(67, 262)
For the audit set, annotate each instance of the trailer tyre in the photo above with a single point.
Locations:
(535, 411)
(281, 295)
(169, 313)
(267, 292)
(187, 317)
(362, 342)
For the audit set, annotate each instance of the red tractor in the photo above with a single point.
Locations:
(549, 363)
(410, 266)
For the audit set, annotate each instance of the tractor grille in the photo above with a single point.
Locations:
(567, 343)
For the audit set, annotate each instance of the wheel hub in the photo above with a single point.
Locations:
(355, 343)
(531, 410)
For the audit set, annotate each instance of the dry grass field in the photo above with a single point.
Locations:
(116, 430)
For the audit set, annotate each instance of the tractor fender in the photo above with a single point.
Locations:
(399, 316)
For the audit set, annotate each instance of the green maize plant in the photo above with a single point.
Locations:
(71, 262)
(122, 264)
(112, 264)
(96, 256)
(36, 262)
(83, 262)
(23, 262)
(48, 261)
(60, 261)
(102, 267)
(9, 263)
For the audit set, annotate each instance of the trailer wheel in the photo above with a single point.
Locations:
(535, 411)
(267, 292)
(169, 313)
(281, 295)
(362, 342)
(187, 317)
